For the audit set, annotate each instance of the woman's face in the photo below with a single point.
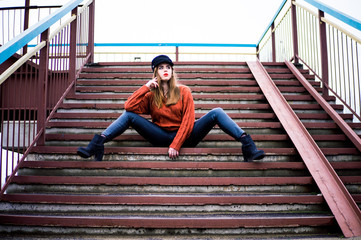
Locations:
(165, 71)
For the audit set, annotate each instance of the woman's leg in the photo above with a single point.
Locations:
(150, 131)
(217, 116)
(204, 125)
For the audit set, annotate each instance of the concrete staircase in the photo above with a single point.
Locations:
(208, 192)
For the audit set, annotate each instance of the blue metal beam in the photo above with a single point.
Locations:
(11, 47)
(273, 19)
(337, 14)
(173, 45)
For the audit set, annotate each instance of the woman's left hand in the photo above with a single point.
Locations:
(173, 153)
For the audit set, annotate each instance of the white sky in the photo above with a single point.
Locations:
(186, 21)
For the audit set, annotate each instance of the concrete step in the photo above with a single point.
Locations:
(170, 226)
(208, 191)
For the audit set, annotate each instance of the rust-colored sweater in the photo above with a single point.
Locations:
(179, 116)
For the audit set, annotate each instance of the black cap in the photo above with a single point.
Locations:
(161, 59)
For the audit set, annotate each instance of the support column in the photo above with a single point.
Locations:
(26, 22)
(43, 87)
(177, 54)
(324, 55)
(273, 42)
(90, 49)
(294, 33)
(72, 48)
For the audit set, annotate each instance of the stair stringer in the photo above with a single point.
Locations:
(339, 200)
(326, 106)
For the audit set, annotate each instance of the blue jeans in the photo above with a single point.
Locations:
(159, 137)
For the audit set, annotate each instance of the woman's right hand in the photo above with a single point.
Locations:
(152, 84)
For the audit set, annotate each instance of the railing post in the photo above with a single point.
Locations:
(324, 55)
(90, 48)
(43, 87)
(26, 22)
(257, 52)
(176, 54)
(72, 47)
(273, 42)
(294, 33)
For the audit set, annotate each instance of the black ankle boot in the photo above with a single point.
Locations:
(249, 149)
(95, 147)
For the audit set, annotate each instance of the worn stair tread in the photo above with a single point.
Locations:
(227, 89)
(179, 165)
(191, 151)
(181, 68)
(262, 106)
(190, 83)
(250, 106)
(197, 115)
(160, 150)
(206, 89)
(229, 221)
(102, 115)
(139, 83)
(181, 76)
(165, 199)
(165, 181)
(124, 96)
(210, 137)
(102, 124)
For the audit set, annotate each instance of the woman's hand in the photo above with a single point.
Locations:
(173, 153)
(152, 84)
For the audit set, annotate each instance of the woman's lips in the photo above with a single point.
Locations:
(166, 74)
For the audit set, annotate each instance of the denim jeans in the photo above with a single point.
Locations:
(159, 137)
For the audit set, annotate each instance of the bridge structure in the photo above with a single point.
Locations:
(297, 91)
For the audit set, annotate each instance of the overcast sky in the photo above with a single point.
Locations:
(186, 21)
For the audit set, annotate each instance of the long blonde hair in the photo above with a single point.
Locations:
(173, 94)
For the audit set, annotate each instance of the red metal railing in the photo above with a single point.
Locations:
(328, 50)
(31, 95)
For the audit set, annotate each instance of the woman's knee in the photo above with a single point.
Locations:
(217, 111)
(129, 114)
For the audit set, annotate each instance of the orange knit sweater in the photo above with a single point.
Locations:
(179, 116)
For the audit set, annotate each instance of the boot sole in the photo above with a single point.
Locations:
(258, 156)
(82, 153)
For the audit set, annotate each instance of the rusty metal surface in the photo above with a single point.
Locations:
(339, 200)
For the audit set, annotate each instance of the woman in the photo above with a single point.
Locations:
(172, 111)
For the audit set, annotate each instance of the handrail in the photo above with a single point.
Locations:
(11, 47)
(329, 21)
(339, 200)
(355, 139)
(272, 21)
(40, 81)
(37, 48)
(337, 14)
(173, 45)
(20, 62)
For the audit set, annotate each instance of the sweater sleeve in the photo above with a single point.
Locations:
(138, 102)
(188, 117)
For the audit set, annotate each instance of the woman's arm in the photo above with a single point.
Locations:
(138, 102)
(187, 124)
